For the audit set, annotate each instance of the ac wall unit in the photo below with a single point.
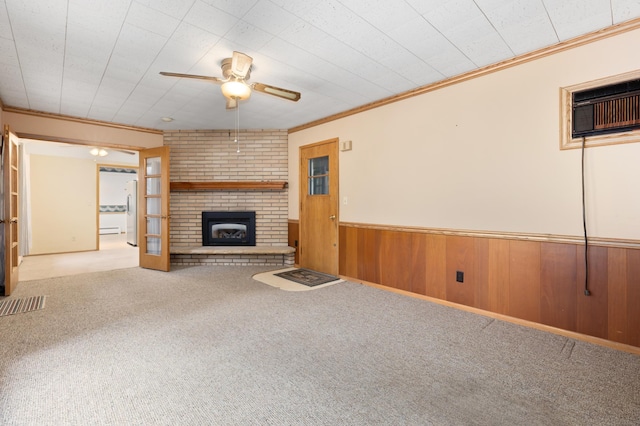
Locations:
(606, 109)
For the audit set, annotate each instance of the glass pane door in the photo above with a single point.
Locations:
(154, 209)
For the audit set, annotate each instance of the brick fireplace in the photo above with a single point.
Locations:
(199, 156)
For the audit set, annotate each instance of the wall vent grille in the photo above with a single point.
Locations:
(613, 108)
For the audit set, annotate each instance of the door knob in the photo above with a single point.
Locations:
(332, 217)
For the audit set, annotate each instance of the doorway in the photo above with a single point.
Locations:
(75, 212)
(319, 203)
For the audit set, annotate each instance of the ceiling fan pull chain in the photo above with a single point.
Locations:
(237, 127)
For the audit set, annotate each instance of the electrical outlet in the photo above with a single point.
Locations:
(460, 276)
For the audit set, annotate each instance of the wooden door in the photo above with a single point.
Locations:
(10, 200)
(153, 208)
(319, 206)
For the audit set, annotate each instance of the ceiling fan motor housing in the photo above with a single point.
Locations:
(227, 72)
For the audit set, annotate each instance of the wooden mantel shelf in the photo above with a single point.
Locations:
(229, 186)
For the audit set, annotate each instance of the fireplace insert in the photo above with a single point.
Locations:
(229, 228)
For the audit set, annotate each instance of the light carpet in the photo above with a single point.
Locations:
(209, 345)
(271, 278)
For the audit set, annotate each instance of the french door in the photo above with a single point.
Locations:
(153, 209)
(10, 201)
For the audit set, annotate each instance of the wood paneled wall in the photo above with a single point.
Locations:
(536, 281)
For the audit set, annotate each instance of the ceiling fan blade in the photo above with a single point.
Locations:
(241, 64)
(199, 77)
(232, 103)
(276, 91)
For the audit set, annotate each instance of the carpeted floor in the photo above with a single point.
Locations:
(211, 345)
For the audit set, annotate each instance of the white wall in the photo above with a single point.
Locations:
(484, 154)
(63, 204)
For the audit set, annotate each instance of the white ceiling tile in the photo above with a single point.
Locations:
(79, 68)
(175, 8)
(8, 54)
(382, 14)
(624, 10)
(5, 24)
(303, 34)
(137, 47)
(210, 19)
(297, 7)
(11, 80)
(98, 14)
(194, 38)
(317, 71)
(523, 24)
(480, 42)
(424, 6)
(151, 20)
(333, 18)
(415, 71)
(248, 36)
(462, 23)
(53, 8)
(237, 8)
(571, 18)
(269, 17)
(39, 31)
(452, 13)
(44, 101)
(74, 109)
(430, 46)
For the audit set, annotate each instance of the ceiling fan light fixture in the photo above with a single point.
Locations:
(236, 90)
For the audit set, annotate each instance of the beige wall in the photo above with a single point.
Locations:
(63, 197)
(484, 154)
(95, 133)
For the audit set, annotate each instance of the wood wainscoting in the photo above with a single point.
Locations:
(534, 278)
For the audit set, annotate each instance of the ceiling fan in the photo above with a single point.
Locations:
(236, 71)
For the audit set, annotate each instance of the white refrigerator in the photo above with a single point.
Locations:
(132, 212)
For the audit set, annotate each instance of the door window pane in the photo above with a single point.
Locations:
(154, 206)
(153, 166)
(319, 185)
(153, 225)
(153, 186)
(318, 182)
(153, 245)
(319, 166)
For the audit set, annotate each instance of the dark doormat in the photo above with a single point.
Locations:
(307, 277)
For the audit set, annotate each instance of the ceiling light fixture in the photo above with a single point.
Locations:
(167, 119)
(98, 152)
(234, 89)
